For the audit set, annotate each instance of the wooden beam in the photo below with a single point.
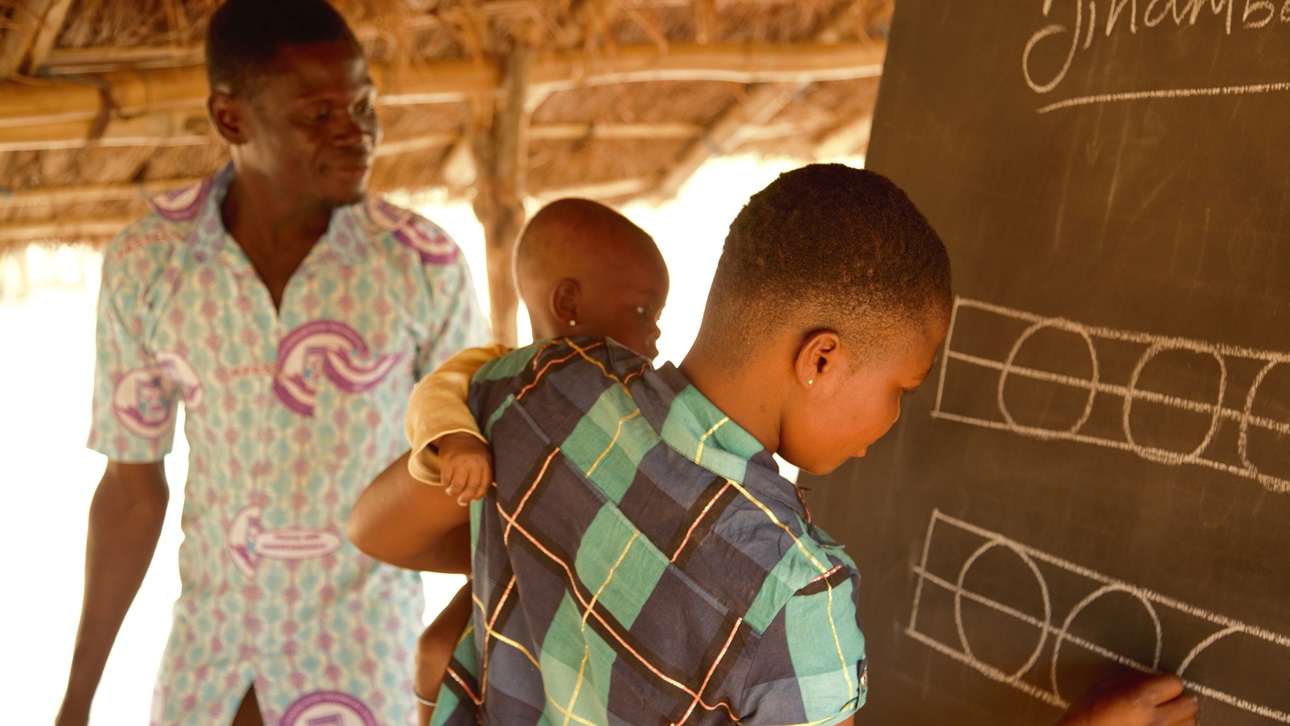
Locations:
(592, 130)
(598, 190)
(845, 140)
(500, 144)
(185, 128)
(726, 134)
(17, 39)
(61, 230)
(90, 192)
(50, 27)
(730, 128)
(170, 128)
(434, 140)
(34, 26)
(145, 91)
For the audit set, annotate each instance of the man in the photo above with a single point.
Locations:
(292, 315)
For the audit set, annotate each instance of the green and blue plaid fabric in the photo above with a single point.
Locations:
(641, 561)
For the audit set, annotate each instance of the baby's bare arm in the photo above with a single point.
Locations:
(466, 465)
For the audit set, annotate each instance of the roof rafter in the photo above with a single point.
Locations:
(35, 25)
(729, 129)
(133, 93)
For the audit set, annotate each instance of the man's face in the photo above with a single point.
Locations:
(311, 126)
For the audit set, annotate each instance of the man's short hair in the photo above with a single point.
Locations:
(244, 37)
(827, 246)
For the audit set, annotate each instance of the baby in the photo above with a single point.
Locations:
(582, 269)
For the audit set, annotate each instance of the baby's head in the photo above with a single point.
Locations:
(584, 269)
(834, 292)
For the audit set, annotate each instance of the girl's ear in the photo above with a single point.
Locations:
(564, 301)
(226, 116)
(817, 358)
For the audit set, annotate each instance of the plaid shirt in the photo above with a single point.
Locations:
(641, 561)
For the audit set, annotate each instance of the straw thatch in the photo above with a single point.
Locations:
(497, 101)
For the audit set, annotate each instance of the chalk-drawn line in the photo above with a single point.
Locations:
(1165, 93)
(1245, 418)
(1151, 601)
(1100, 386)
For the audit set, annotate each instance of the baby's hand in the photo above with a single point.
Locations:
(466, 465)
(1134, 699)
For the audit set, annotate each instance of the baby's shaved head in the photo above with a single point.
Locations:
(574, 239)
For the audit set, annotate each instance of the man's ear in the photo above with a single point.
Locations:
(564, 301)
(227, 115)
(818, 358)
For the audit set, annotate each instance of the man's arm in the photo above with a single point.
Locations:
(126, 515)
(400, 520)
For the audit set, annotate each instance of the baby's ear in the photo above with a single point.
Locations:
(817, 358)
(565, 298)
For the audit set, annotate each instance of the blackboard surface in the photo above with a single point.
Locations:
(1097, 472)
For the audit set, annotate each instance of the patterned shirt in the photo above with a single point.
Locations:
(288, 414)
(641, 561)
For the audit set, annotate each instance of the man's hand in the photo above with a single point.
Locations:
(466, 466)
(1134, 699)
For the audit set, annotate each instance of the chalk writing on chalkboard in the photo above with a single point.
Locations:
(1072, 30)
(1169, 400)
(953, 549)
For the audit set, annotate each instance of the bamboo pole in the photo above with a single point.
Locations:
(501, 151)
(16, 42)
(152, 129)
(725, 134)
(61, 230)
(849, 138)
(51, 25)
(599, 190)
(190, 129)
(50, 101)
(730, 128)
(91, 192)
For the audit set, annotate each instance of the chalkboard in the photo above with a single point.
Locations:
(1097, 472)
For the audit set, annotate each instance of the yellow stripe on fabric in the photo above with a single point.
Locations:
(514, 644)
(613, 441)
(837, 642)
(586, 651)
(597, 364)
(698, 453)
(771, 515)
(568, 715)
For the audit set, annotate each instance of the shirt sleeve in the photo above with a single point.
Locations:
(134, 400)
(457, 322)
(438, 407)
(810, 667)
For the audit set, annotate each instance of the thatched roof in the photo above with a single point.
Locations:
(497, 101)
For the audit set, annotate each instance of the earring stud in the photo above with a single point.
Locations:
(572, 323)
(810, 381)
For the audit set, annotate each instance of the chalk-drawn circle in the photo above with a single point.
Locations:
(1255, 691)
(1272, 482)
(1215, 409)
(1010, 368)
(1043, 624)
(1064, 634)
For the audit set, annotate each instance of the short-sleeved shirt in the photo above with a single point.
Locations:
(641, 561)
(288, 414)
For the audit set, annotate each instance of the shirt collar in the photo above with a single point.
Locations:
(698, 430)
(345, 237)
